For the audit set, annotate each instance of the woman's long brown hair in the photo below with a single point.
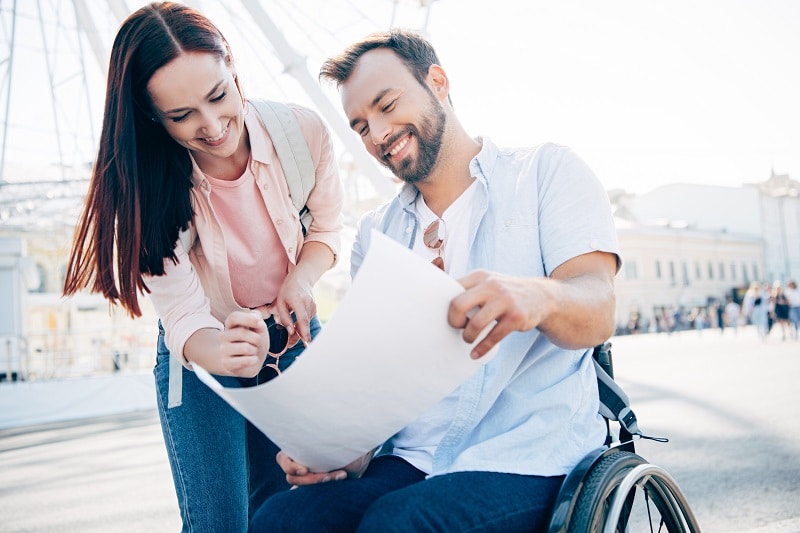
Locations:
(139, 194)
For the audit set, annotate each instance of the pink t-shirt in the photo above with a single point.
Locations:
(256, 260)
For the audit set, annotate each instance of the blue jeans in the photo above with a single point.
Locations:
(393, 496)
(223, 467)
(794, 317)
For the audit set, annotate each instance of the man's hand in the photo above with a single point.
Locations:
(573, 308)
(514, 304)
(298, 474)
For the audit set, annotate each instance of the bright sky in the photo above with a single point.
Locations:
(647, 92)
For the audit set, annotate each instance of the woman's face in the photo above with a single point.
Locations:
(198, 102)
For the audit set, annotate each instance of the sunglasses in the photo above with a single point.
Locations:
(433, 237)
(278, 344)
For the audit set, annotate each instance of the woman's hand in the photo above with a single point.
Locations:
(243, 344)
(296, 296)
(238, 350)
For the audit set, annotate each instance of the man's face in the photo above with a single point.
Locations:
(400, 121)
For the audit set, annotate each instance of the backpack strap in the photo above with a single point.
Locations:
(175, 387)
(614, 402)
(293, 152)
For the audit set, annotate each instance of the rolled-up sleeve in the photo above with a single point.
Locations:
(327, 197)
(180, 302)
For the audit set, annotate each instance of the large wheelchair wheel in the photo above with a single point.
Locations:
(624, 493)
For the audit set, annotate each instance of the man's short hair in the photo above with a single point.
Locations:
(413, 49)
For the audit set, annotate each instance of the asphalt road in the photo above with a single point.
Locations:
(729, 405)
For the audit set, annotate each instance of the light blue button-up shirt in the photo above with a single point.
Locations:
(533, 408)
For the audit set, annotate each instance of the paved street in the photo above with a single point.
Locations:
(729, 405)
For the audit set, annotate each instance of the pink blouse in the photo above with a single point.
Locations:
(197, 292)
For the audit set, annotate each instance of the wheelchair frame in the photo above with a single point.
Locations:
(598, 495)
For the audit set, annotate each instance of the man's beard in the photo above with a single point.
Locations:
(429, 139)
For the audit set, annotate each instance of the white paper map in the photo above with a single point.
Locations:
(384, 357)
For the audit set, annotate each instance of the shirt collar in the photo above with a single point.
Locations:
(261, 146)
(482, 165)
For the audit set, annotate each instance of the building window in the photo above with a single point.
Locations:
(721, 270)
(733, 271)
(745, 277)
(41, 279)
(631, 271)
(62, 273)
(710, 270)
(658, 269)
(672, 272)
(698, 274)
(755, 272)
(685, 268)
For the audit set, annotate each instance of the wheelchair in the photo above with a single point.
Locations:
(612, 489)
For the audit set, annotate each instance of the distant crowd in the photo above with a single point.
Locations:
(769, 308)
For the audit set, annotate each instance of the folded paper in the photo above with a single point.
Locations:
(385, 356)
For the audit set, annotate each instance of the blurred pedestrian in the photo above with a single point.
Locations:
(780, 309)
(732, 314)
(793, 296)
(719, 312)
(756, 306)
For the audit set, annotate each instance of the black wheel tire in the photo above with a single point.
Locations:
(599, 486)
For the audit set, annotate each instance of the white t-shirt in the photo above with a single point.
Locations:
(426, 432)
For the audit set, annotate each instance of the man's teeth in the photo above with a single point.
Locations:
(399, 147)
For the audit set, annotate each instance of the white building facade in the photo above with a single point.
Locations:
(667, 267)
(685, 245)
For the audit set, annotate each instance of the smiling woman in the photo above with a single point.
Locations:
(211, 126)
(183, 153)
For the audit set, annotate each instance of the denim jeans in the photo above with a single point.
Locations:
(794, 318)
(393, 496)
(223, 467)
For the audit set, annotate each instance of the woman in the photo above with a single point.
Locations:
(782, 307)
(183, 153)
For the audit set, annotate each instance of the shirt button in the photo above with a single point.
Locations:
(594, 245)
(290, 249)
(279, 221)
(265, 186)
(409, 229)
(509, 221)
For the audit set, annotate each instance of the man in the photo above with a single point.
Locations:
(530, 235)
(732, 312)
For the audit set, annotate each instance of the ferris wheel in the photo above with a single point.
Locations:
(53, 60)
